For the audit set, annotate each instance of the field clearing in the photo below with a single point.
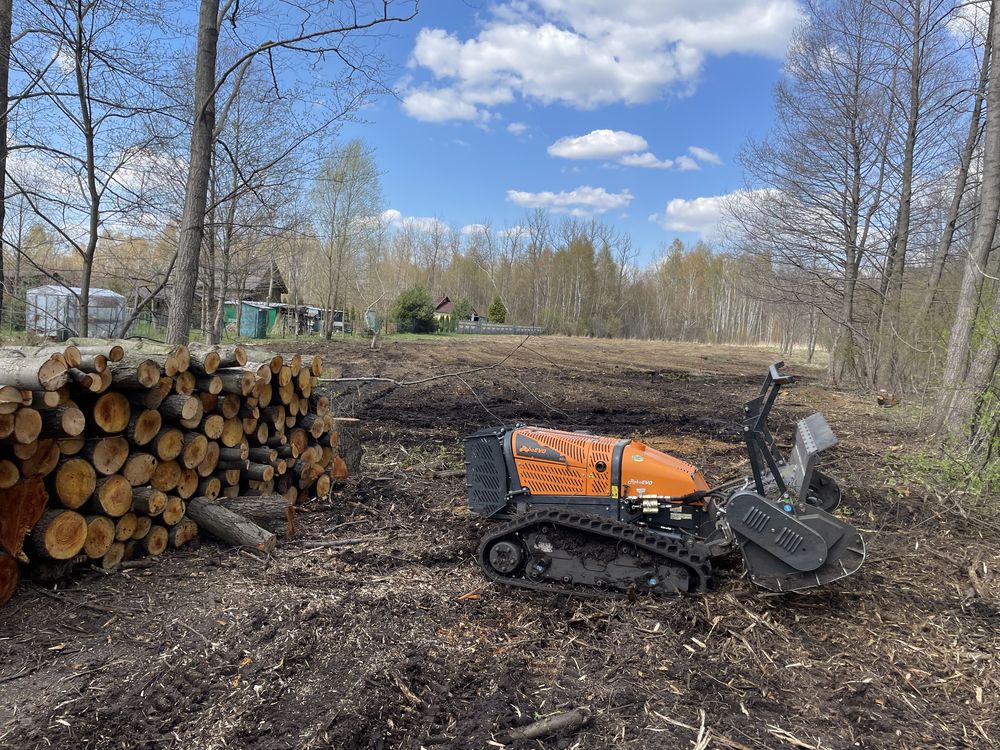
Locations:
(393, 639)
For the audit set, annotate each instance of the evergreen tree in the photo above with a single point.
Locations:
(498, 311)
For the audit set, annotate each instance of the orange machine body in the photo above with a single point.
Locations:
(569, 464)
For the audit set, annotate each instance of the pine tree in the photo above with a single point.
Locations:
(498, 311)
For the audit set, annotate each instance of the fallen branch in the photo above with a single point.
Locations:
(569, 721)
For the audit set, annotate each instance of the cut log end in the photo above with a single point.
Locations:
(100, 536)
(60, 534)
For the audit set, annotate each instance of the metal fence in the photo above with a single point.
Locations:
(465, 326)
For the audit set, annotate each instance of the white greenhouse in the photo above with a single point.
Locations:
(54, 310)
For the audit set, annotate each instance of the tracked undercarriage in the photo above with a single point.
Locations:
(596, 516)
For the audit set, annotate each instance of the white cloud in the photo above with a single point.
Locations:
(517, 128)
(583, 201)
(397, 220)
(686, 164)
(703, 154)
(646, 159)
(473, 229)
(598, 144)
(587, 53)
(702, 216)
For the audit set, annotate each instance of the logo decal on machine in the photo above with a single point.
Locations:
(528, 448)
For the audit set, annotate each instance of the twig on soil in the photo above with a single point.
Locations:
(568, 721)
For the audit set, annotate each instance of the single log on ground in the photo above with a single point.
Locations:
(33, 373)
(63, 421)
(166, 476)
(113, 557)
(182, 533)
(148, 501)
(107, 455)
(174, 510)
(111, 412)
(100, 536)
(569, 721)
(43, 461)
(134, 372)
(139, 468)
(187, 485)
(20, 508)
(194, 451)
(59, 534)
(155, 541)
(113, 496)
(75, 482)
(348, 431)
(142, 526)
(143, 426)
(10, 576)
(125, 527)
(229, 527)
(270, 511)
(168, 443)
(211, 460)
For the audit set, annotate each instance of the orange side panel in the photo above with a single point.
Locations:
(552, 462)
(657, 473)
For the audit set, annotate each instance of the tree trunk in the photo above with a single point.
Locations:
(949, 411)
(196, 190)
(6, 19)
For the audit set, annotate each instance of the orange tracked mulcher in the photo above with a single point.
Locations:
(588, 514)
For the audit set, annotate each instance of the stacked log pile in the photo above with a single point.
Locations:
(114, 450)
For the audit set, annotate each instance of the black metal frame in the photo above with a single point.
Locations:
(761, 448)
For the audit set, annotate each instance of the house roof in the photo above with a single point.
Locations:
(444, 305)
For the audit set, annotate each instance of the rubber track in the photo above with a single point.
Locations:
(694, 557)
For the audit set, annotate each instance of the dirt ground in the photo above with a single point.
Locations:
(392, 639)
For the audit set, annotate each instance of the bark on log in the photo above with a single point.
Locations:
(236, 381)
(63, 421)
(212, 384)
(59, 534)
(232, 356)
(134, 373)
(269, 511)
(20, 508)
(100, 536)
(260, 472)
(209, 487)
(177, 408)
(10, 576)
(107, 455)
(148, 501)
(33, 373)
(348, 431)
(203, 360)
(230, 527)
(11, 400)
(92, 363)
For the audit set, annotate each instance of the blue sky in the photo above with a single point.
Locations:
(629, 111)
